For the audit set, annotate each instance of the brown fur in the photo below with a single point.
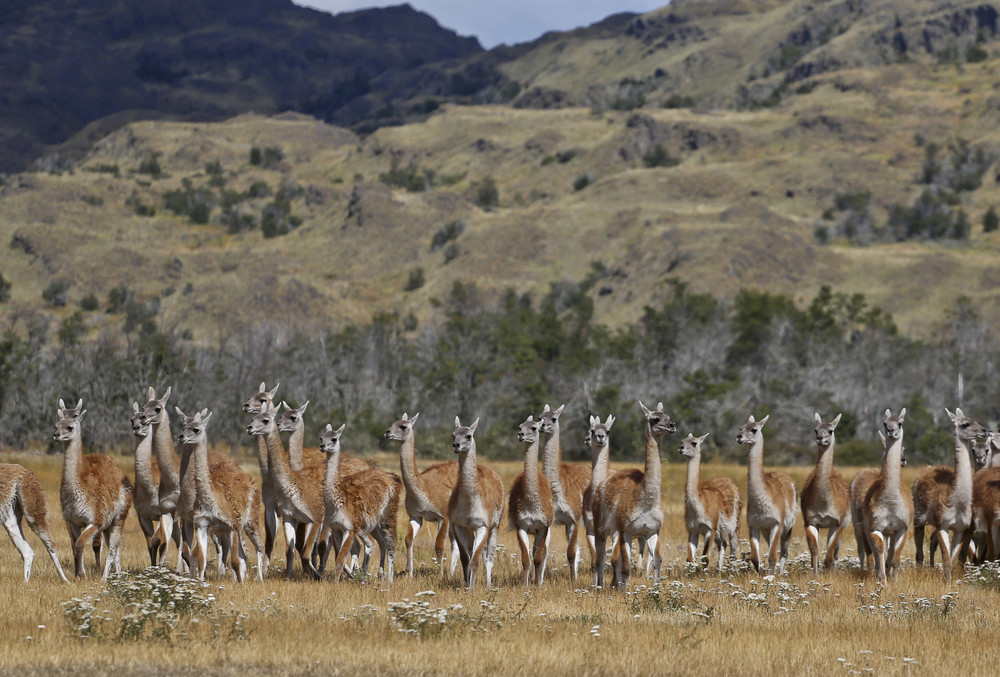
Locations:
(435, 483)
(711, 507)
(226, 502)
(529, 508)
(826, 499)
(476, 503)
(359, 503)
(22, 495)
(572, 480)
(986, 508)
(859, 488)
(96, 499)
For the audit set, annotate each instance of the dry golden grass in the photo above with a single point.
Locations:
(697, 622)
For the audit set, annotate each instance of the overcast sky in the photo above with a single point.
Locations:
(509, 21)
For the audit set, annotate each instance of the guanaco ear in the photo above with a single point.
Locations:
(204, 413)
(80, 416)
(341, 428)
(881, 436)
(701, 439)
(888, 414)
(79, 404)
(62, 406)
(166, 396)
(547, 408)
(329, 428)
(834, 422)
(303, 407)
(262, 388)
(559, 411)
(530, 419)
(764, 420)
(204, 419)
(180, 413)
(135, 407)
(271, 393)
(594, 420)
(150, 394)
(659, 406)
(818, 419)
(475, 424)
(610, 422)
(645, 411)
(414, 419)
(902, 414)
(458, 424)
(751, 419)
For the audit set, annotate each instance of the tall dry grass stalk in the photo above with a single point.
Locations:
(695, 622)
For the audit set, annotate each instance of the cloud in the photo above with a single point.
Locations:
(507, 21)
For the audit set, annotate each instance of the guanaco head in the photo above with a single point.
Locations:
(824, 431)
(527, 432)
(691, 445)
(194, 427)
(462, 437)
(292, 419)
(68, 425)
(751, 430)
(329, 439)
(139, 429)
(260, 399)
(894, 424)
(599, 433)
(264, 422)
(965, 427)
(154, 412)
(659, 422)
(982, 452)
(401, 429)
(549, 419)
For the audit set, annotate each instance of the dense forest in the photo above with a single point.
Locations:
(711, 362)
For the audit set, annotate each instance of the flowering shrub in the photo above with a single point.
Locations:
(150, 604)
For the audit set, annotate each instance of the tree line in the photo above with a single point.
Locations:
(712, 362)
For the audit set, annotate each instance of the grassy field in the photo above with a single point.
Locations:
(695, 621)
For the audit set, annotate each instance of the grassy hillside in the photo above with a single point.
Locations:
(735, 203)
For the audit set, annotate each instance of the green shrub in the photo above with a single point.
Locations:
(658, 156)
(151, 166)
(56, 292)
(582, 182)
(446, 233)
(487, 193)
(990, 220)
(4, 289)
(415, 280)
(90, 303)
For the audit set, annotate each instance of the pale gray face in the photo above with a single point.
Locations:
(290, 421)
(969, 429)
(824, 431)
(690, 446)
(894, 424)
(598, 435)
(260, 400)
(462, 439)
(154, 412)
(660, 423)
(549, 419)
(399, 430)
(139, 427)
(263, 423)
(750, 430)
(527, 432)
(67, 427)
(981, 453)
(329, 440)
(194, 429)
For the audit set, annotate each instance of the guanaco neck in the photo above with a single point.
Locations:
(552, 457)
(296, 441)
(202, 478)
(166, 455)
(650, 491)
(691, 498)
(755, 467)
(824, 465)
(467, 483)
(73, 448)
(277, 462)
(262, 458)
(144, 462)
(408, 468)
(531, 467)
(599, 463)
(332, 491)
(891, 464)
(962, 494)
